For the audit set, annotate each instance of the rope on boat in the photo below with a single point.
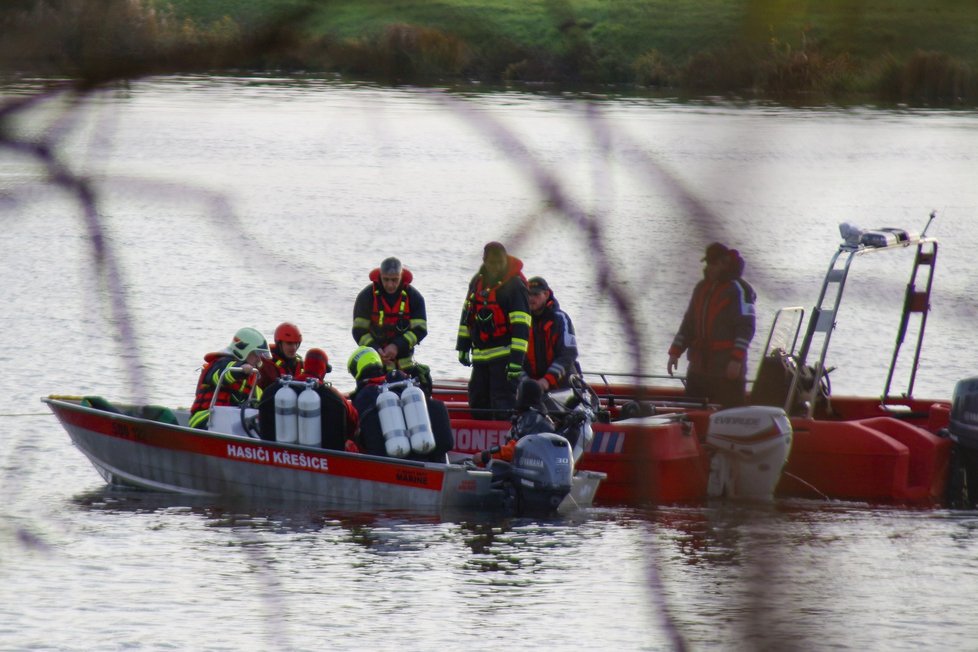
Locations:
(808, 484)
(26, 414)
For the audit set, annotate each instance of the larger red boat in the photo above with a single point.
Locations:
(890, 449)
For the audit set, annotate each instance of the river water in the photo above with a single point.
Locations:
(226, 202)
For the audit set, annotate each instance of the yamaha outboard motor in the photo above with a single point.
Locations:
(963, 430)
(540, 474)
(544, 466)
(542, 470)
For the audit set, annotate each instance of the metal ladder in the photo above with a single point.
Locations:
(823, 317)
(916, 303)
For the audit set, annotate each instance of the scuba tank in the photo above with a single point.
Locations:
(392, 424)
(310, 418)
(286, 425)
(417, 420)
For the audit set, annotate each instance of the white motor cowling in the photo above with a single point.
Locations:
(286, 423)
(310, 418)
(396, 441)
(417, 420)
(750, 447)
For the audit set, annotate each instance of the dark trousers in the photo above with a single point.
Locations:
(728, 393)
(491, 394)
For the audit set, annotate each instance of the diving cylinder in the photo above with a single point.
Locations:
(392, 424)
(286, 425)
(417, 420)
(310, 418)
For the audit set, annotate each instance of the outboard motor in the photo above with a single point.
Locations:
(963, 430)
(750, 447)
(542, 472)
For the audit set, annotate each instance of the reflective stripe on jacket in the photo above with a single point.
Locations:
(277, 367)
(495, 321)
(718, 326)
(380, 319)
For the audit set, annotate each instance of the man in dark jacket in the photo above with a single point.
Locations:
(389, 315)
(551, 356)
(716, 330)
(493, 332)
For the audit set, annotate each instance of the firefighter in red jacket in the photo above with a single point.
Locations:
(286, 360)
(493, 333)
(717, 330)
(234, 369)
(389, 315)
(551, 357)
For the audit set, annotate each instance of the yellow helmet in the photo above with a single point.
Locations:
(362, 358)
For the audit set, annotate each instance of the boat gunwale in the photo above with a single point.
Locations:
(73, 404)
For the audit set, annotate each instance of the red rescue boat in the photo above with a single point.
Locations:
(649, 460)
(887, 449)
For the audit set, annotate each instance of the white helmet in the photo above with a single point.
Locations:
(246, 341)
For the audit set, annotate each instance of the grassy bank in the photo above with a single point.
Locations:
(898, 50)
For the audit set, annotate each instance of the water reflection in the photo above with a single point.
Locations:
(484, 532)
(219, 511)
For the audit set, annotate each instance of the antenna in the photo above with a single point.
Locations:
(933, 214)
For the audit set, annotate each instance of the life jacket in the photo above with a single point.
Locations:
(486, 319)
(542, 342)
(388, 321)
(286, 366)
(551, 351)
(279, 366)
(231, 393)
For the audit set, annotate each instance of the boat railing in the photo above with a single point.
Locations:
(609, 396)
(824, 315)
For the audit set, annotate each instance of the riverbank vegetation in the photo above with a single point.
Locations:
(891, 50)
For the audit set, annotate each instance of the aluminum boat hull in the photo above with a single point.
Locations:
(144, 453)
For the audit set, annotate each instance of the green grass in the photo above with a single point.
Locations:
(904, 50)
(679, 28)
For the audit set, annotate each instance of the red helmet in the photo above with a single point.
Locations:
(288, 332)
(317, 363)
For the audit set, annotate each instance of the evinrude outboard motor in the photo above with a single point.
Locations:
(962, 491)
(750, 447)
